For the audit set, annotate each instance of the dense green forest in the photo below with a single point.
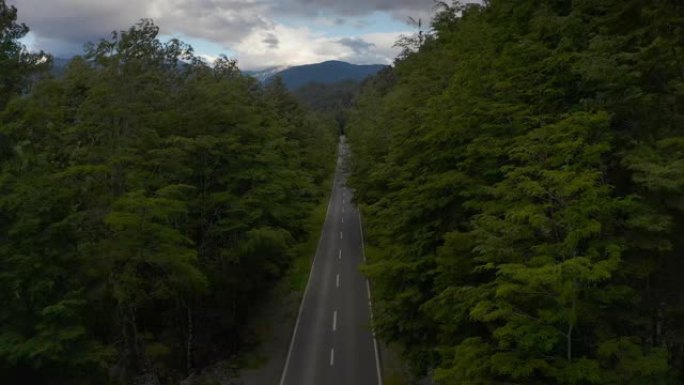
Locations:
(330, 101)
(521, 170)
(147, 202)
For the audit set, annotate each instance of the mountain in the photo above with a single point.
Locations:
(59, 65)
(325, 73)
(328, 72)
(263, 75)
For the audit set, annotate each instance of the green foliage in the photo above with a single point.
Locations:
(520, 169)
(330, 101)
(147, 202)
(16, 63)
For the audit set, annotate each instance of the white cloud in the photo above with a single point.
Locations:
(352, 7)
(221, 21)
(384, 43)
(298, 46)
(250, 28)
(224, 21)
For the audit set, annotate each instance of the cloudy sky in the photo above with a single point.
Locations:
(259, 33)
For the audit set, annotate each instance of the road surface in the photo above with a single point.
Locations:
(332, 342)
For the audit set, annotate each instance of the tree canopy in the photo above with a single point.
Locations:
(147, 202)
(16, 63)
(521, 174)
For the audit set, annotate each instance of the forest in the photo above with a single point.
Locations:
(521, 172)
(520, 169)
(148, 201)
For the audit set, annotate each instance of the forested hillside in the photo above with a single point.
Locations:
(330, 101)
(522, 174)
(328, 72)
(147, 202)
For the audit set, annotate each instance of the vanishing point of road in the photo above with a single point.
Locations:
(332, 342)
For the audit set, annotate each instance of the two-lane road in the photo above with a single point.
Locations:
(332, 342)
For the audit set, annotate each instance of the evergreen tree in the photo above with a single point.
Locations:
(16, 63)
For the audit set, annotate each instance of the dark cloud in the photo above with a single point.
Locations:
(70, 23)
(358, 45)
(66, 24)
(354, 7)
(58, 47)
(271, 41)
(63, 26)
(227, 21)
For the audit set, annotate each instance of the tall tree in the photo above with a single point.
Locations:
(16, 63)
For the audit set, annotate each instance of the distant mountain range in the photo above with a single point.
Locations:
(266, 73)
(59, 66)
(323, 73)
(328, 72)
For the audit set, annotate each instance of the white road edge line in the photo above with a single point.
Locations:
(332, 356)
(335, 320)
(308, 283)
(370, 305)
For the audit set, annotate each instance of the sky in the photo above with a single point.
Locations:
(258, 33)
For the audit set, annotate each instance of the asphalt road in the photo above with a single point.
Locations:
(332, 342)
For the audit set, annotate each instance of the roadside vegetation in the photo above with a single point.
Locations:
(521, 171)
(148, 202)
